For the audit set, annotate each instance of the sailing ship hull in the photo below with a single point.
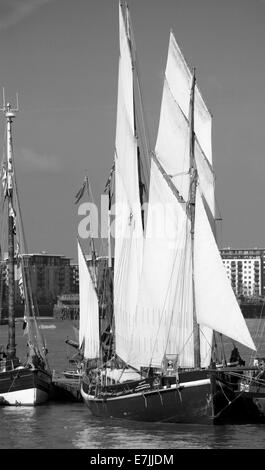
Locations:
(24, 386)
(204, 400)
(249, 407)
(254, 405)
(237, 398)
(183, 402)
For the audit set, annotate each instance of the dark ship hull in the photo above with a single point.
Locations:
(24, 386)
(187, 401)
(238, 396)
(202, 397)
(255, 402)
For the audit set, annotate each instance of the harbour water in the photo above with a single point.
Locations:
(71, 426)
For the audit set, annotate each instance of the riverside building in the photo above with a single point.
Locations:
(246, 270)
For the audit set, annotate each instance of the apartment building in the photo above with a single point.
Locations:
(246, 270)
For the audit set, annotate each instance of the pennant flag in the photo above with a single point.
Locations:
(81, 191)
(107, 187)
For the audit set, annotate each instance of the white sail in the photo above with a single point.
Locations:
(216, 305)
(162, 293)
(165, 294)
(128, 224)
(172, 146)
(179, 78)
(164, 321)
(88, 310)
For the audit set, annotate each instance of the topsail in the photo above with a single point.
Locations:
(172, 146)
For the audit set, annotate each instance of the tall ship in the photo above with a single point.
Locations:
(171, 294)
(24, 382)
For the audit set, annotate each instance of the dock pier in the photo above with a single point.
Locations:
(64, 389)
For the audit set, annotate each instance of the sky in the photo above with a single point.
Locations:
(61, 56)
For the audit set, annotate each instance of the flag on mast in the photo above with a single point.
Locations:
(107, 186)
(81, 191)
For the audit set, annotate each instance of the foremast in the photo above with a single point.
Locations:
(10, 114)
(191, 209)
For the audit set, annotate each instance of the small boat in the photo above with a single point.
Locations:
(72, 374)
(171, 294)
(28, 382)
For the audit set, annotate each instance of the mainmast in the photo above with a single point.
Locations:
(10, 114)
(192, 196)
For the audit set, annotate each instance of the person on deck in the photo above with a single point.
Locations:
(235, 357)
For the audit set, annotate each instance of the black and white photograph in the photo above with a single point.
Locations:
(132, 228)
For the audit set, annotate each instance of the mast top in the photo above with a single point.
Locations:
(9, 112)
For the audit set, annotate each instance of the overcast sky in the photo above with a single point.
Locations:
(62, 58)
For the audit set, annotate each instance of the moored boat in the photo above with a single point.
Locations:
(154, 399)
(24, 386)
(171, 292)
(27, 382)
